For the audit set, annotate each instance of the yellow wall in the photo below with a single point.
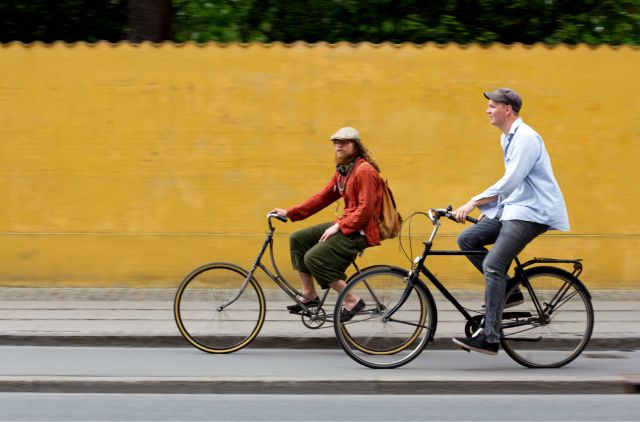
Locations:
(124, 165)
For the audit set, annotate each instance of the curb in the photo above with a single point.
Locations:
(154, 385)
(262, 342)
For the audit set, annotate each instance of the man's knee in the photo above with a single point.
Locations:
(467, 241)
(494, 267)
(295, 240)
(311, 260)
(323, 273)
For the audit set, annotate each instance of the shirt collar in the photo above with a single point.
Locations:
(515, 125)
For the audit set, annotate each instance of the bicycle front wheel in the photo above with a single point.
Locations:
(559, 333)
(372, 338)
(217, 309)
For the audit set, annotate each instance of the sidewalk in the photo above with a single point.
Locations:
(144, 318)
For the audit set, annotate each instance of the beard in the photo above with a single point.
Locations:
(345, 159)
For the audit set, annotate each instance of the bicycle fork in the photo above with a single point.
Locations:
(412, 279)
(256, 264)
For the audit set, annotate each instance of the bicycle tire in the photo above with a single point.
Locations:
(368, 338)
(564, 332)
(199, 317)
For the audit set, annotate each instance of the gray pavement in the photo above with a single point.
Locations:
(122, 321)
(296, 371)
(144, 317)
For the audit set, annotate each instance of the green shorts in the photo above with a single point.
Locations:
(326, 261)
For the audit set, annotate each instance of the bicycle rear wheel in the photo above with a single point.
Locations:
(216, 311)
(564, 329)
(372, 340)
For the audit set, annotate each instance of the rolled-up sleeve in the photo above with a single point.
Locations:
(328, 195)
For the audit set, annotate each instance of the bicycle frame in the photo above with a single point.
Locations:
(419, 268)
(277, 278)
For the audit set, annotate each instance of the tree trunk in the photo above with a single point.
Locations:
(150, 20)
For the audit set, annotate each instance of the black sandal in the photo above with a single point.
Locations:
(296, 308)
(347, 315)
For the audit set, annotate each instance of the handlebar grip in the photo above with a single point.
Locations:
(279, 217)
(441, 212)
(469, 219)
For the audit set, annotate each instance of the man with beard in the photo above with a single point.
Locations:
(326, 250)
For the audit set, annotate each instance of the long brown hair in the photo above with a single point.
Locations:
(364, 153)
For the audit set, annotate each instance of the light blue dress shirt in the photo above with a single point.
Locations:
(528, 190)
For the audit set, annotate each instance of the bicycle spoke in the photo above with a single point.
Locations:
(513, 334)
(559, 305)
(408, 323)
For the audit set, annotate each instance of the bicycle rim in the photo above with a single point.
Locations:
(198, 313)
(553, 343)
(371, 340)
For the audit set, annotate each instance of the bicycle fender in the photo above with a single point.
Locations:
(549, 269)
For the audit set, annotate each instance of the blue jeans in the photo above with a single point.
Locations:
(509, 238)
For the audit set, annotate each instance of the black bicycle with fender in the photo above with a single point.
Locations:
(548, 330)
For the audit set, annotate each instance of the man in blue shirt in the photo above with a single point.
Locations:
(523, 204)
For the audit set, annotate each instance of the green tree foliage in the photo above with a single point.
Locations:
(63, 20)
(462, 21)
(418, 21)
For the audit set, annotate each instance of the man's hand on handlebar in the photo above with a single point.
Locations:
(279, 211)
(460, 214)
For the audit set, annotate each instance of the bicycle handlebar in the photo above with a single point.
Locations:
(279, 217)
(436, 213)
(273, 215)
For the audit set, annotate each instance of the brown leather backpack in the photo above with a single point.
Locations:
(390, 220)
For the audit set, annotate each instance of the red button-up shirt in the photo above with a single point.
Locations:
(362, 201)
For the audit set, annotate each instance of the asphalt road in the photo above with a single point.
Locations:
(295, 371)
(334, 407)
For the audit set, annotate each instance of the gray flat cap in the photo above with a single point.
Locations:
(506, 96)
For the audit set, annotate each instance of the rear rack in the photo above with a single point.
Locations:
(577, 263)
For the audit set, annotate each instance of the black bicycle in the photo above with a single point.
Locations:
(549, 330)
(220, 307)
